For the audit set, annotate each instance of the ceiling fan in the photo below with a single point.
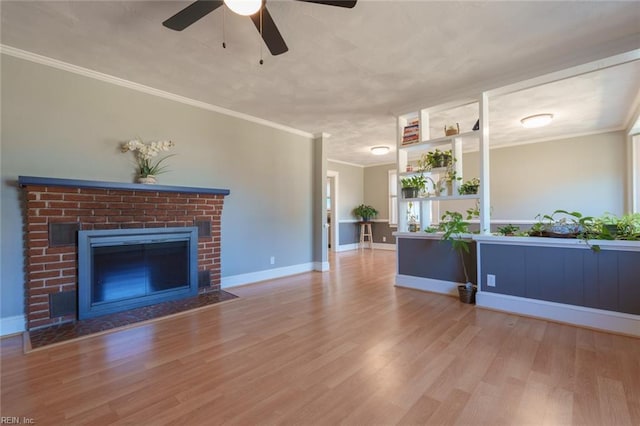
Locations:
(256, 9)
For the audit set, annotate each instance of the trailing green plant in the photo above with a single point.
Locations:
(447, 180)
(431, 229)
(451, 175)
(473, 212)
(611, 227)
(435, 159)
(629, 227)
(469, 187)
(366, 212)
(424, 163)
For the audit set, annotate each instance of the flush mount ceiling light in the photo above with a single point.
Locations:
(379, 150)
(538, 120)
(244, 7)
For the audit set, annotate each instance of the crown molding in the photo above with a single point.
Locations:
(322, 135)
(554, 138)
(54, 63)
(346, 163)
(393, 163)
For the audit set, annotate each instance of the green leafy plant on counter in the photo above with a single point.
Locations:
(566, 224)
(508, 229)
(628, 227)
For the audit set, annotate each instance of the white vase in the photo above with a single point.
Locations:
(149, 180)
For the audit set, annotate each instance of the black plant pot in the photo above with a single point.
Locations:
(467, 294)
(470, 190)
(410, 192)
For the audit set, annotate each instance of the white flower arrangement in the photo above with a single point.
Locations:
(145, 153)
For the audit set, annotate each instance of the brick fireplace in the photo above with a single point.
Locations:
(56, 209)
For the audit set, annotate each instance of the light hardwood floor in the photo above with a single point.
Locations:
(341, 347)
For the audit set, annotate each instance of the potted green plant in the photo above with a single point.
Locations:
(469, 187)
(453, 225)
(366, 212)
(411, 186)
(569, 225)
(435, 159)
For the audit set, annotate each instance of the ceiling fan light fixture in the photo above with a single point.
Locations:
(244, 7)
(380, 150)
(538, 120)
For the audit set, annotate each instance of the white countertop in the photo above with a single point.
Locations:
(531, 241)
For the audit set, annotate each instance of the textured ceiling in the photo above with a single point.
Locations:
(348, 71)
(596, 101)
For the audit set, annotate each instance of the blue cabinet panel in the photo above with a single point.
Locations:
(609, 279)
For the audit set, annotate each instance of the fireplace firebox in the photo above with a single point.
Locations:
(122, 269)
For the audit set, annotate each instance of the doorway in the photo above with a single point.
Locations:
(333, 222)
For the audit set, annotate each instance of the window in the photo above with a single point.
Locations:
(393, 197)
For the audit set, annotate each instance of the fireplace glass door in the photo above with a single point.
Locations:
(135, 270)
(125, 269)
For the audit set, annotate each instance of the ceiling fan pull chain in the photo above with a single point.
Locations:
(224, 43)
(261, 61)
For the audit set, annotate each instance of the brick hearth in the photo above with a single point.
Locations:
(88, 205)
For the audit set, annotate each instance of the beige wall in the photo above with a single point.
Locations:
(59, 124)
(376, 188)
(350, 188)
(585, 174)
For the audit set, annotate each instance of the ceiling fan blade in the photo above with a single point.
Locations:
(191, 14)
(346, 3)
(270, 33)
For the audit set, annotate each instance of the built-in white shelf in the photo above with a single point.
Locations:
(437, 170)
(433, 143)
(443, 198)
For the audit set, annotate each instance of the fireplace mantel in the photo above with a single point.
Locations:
(95, 184)
(55, 210)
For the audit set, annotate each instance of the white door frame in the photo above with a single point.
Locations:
(335, 223)
(635, 173)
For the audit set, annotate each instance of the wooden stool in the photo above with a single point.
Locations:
(365, 231)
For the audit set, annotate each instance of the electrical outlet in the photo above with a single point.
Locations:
(384, 239)
(272, 260)
(491, 280)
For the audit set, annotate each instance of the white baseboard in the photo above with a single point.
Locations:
(347, 247)
(356, 246)
(321, 266)
(616, 322)
(268, 274)
(384, 246)
(12, 325)
(428, 284)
